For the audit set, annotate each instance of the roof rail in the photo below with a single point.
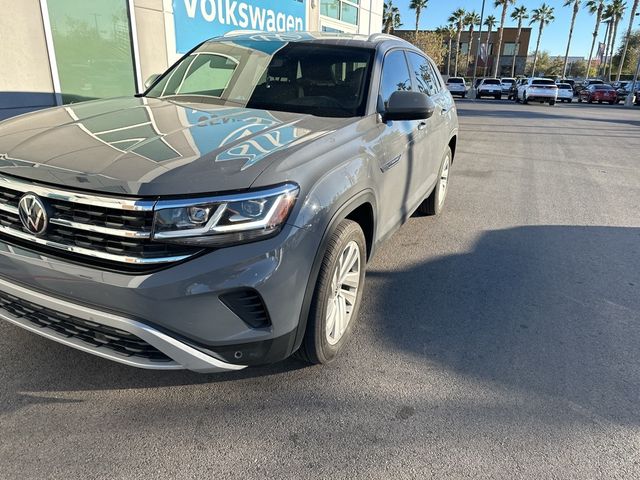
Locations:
(383, 36)
(237, 33)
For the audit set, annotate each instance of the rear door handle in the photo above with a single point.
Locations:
(444, 111)
(422, 125)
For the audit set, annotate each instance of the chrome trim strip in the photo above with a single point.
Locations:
(8, 208)
(91, 253)
(184, 356)
(94, 200)
(138, 234)
(238, 197)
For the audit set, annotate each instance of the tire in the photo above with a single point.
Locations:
(552, 103)
(612, 102)
(321, 344)
(478, 96)
(434, 203)
(524, 98)
(570, 100)
(579, 99)
(498, 97)
(589, 101)
(600, 102)
(464, 95)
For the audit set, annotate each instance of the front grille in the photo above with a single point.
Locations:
(93, 334)
(105, 231)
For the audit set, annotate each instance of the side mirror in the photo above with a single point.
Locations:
(151, 80)
(407, 105)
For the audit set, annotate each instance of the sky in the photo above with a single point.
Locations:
(554, 37)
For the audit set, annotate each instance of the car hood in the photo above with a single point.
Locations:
(150, 147)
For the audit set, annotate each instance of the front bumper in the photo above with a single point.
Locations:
(177, 310)
(179, 355)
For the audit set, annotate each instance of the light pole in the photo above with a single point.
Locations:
(475, 64)
(634, 84)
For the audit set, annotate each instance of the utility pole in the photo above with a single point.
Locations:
(475, 65)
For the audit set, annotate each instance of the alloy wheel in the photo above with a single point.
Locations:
(443, 182)
(344, 292)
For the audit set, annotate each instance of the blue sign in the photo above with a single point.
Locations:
(198, 20)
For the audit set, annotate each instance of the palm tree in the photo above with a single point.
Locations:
(597, 7)
(543, 15)
(490, 22)
(472, 19)
(451, 31)
(504, 4)
(418, 6)
(390, 17)
(614, 12)
(457, 18)
(576, 8)
(634, 9)
(519, 14)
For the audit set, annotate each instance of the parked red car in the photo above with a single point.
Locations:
(598, 93)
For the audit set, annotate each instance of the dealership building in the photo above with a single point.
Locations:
(56, 52)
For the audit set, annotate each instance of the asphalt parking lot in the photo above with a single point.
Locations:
(498, 341)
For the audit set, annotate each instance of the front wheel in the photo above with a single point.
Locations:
(434, 203)
(336, 300)
(552, 102)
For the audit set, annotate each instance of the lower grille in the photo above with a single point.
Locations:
(93, 334)
(249, 306)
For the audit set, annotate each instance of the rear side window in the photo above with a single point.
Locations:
(395, 75)
(427, 83)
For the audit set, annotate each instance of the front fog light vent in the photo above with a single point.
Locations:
(249, 306)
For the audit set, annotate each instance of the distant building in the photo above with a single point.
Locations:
(486, 60)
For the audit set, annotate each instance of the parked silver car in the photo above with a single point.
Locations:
(225, 217)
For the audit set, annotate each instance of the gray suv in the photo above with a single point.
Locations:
(223, 218)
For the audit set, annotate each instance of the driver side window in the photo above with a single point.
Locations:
(395, 76)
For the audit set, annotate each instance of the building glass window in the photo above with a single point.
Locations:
(344, 10)
(92, 43)
(464, 48)
(510, 49)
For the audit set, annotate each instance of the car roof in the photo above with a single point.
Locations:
(325, 38)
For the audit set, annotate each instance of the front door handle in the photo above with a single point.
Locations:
(444, 111)
(422, 125)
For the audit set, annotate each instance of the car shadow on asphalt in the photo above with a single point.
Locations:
(546, 310)
(551, 311)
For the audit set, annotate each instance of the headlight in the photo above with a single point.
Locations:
(224, 220)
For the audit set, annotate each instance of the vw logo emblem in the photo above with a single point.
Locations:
(33, 214)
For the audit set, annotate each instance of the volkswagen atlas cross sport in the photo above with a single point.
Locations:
(223, 218)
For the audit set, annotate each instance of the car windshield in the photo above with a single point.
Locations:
(455, 80)
(543, 82)
(322, 80)
(492, 81)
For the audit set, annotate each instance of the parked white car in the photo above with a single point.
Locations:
(538, 90)
(507, 84)
(489, 87)
(565, 92)
(457, 86)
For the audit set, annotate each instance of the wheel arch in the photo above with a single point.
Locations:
(361, 208)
